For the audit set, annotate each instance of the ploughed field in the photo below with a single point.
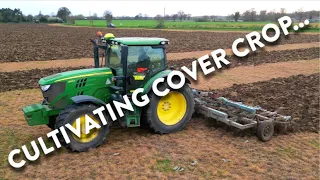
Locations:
(218, 153)
(27, 79)
(295, 96)
(25, 42)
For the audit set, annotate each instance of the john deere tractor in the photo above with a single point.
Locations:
(126, 64)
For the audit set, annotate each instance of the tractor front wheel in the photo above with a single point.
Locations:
(94, 138)
(170, 113)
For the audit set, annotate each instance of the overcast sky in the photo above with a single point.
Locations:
(153, 7)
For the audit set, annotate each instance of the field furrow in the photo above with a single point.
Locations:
(42, 42)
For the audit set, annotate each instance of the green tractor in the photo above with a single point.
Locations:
(127, 64)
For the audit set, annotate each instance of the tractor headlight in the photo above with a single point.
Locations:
(45, 88)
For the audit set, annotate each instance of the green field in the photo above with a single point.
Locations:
(246, 26)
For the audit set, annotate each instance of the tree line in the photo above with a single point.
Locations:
(16, 16)
(64, 15)
(264, 15)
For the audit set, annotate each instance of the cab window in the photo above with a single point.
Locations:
(115, 57)
(140, 55)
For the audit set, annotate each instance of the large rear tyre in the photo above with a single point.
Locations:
(170, 113)
(86, 141)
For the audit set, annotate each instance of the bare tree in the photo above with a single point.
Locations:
(174, 17)
(157, 17)
(108, 16)
(181, 15)
(91, 20)
(185, 16)
(300, 13)
(138, 16)
(283, 11)
(189, 16)
(246, 15)
(263, 15)
(272, 15)
(253, 14)
(95, 16)
(236, 16)
(213, 18)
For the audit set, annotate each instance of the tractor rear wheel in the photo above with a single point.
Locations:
(170, 113)
(94, 138)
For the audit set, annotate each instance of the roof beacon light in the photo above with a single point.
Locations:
(109, 36)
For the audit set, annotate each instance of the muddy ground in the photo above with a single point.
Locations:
(27, 79)
(144, 155)
(259, 58)
(296, 96)
(22, 42)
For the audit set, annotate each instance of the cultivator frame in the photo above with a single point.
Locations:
(239, 115)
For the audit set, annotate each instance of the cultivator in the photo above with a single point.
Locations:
(239, 115)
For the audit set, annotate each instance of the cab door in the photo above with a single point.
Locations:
(143, 63)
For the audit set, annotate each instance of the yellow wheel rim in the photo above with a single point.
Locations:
(172, 108)
(85, 138)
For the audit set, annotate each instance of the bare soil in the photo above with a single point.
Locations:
(251, 74)
(285, 96)
(261, 57)
(25, 42)
(144, 155)
(27, 79)
(308, 50)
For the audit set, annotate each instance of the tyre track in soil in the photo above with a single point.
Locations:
(186, 56)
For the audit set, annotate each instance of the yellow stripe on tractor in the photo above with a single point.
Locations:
(138, 77)
(85, 75)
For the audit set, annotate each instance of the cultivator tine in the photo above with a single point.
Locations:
(234, 114)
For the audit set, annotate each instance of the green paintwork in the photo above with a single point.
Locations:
(148, 85)
(96, 86)
(70, 75)
(133, 117)
(139, 41)
(38, 114)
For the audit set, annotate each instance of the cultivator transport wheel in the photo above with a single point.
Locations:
(86, 141)
(265, 130)
(170, 113)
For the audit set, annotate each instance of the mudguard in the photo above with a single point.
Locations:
(85, 98)
(148, 86)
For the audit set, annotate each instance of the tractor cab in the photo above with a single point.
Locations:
(133, 61)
